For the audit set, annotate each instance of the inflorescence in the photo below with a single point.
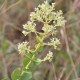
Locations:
(51, 20)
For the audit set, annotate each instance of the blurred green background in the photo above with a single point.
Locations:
(66, 62)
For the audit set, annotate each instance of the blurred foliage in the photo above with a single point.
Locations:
(66, 63)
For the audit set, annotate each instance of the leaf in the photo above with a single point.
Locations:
(26, 75)
(27, 59)
(16, 74)
(39, 47)
(31, 63)
(38, 39)
(38, 61)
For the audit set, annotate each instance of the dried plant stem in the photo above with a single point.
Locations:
(10, 7)
(77, 62)
(54, 72)
(62, 73)
(68, 51)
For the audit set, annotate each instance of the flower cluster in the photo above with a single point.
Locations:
(46, 14)
(54, 42)
(29, 27)
(23, 47)
(59, 19)
(47, 28)
(51, 19)
(49, 57)
(43, 12)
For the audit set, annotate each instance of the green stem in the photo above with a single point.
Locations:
(27, 66)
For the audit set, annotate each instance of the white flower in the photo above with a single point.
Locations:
(22, 47)
(30, 26)
(54, 42)
(25, 32)
(47, 28)
(49, 56)
(43, 12)
(59, 19)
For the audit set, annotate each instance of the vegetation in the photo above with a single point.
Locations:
(47, 47)
(51, 20)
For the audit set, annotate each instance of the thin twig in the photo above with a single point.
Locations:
(67, 78)
(54, 72)
(62, 73)
(10, 7)
(68, 50)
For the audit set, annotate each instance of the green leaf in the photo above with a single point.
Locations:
(38, 61)
(38, 39)
(16, 74)
(27, 59)
(29, 62)
(26, 76)
(39, 47)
